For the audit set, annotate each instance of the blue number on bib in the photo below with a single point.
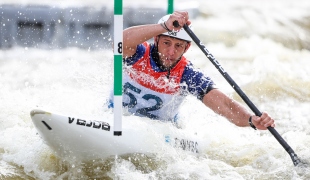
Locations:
(158, 105)
(133, 101)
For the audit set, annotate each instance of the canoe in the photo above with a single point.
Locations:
(87, 139)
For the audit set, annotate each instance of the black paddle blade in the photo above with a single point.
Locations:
(294, 158)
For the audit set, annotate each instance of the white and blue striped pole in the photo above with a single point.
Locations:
(118, 66)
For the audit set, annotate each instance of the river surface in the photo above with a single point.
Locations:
(263, 45)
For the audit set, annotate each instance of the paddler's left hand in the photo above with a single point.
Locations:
(263, 122)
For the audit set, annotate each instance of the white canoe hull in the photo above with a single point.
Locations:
(90, 139)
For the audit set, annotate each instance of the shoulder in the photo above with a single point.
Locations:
(197, 82)
(191, 71)
(194, 75)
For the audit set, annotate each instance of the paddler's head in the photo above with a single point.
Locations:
(171, 45)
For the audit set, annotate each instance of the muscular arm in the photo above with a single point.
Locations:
(227, 107)
(136, 35)
(234, 111)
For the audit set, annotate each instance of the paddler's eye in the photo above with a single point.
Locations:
(179, 46)
(166, 43)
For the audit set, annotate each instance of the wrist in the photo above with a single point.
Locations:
(251, 123)
(165, 26)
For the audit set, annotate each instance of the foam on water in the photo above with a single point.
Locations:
(74, 81)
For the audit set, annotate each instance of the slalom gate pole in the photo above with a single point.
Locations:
(118, 66)
(170, 7)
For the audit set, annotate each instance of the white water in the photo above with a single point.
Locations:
(264, 45)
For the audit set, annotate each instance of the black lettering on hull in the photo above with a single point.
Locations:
(93, 124)
(186, 145)
(71, 120)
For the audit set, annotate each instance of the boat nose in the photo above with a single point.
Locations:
(36, 111)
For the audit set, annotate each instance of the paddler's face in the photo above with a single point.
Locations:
(170, 50)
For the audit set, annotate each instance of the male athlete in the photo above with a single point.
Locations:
(158, 77)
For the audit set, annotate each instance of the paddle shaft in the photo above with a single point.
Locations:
(213, 60)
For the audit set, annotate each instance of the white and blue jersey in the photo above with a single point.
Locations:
(149, 91)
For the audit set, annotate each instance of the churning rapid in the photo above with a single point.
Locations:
(263, 45)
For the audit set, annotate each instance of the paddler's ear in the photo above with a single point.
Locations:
(187, 46)
(156, 40)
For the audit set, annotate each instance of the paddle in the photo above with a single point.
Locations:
(288, 149)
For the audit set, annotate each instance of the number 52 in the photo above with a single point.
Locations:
(133, 101)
